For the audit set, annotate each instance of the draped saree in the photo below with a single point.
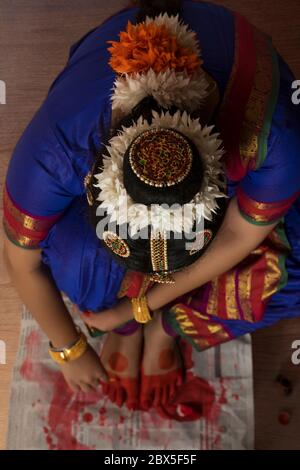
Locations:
(44, 196)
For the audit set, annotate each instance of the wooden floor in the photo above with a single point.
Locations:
(35, 36)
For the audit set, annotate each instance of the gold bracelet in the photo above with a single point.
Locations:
(140, 309)
(69, 353)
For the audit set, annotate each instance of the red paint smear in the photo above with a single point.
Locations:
(217, 440)
(284, 418)
(144, 433)
(102, 416)
(33, 338)
(49, 441)
(235, 396)
(64, 409)
(87, 417)
(63, 413)
(216, 411)
(35, 372)
(223, 400)
(194, 400)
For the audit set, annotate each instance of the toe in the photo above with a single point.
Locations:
(120, 396)
(146, 400)
(157, 396)
(147, 394)
(131, 404)
(179, 378)
(104, 386)
(132, 393)
(172, 391)
(112, 393)
(165, 395)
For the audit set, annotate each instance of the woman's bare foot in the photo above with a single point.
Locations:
(121, 358)
(162, 371)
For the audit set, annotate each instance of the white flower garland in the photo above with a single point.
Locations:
(168, 88)
(120, 206)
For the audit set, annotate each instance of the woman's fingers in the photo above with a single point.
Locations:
(86, 387)
(101, 373)
(111, 318)
(95, 383)
(73, 386)
(95, 320)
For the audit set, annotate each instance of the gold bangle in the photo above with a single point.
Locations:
(140, 309)
(69, 353)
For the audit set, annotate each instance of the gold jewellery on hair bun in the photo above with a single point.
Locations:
(159, 258)
(161, 157)
(116, 244)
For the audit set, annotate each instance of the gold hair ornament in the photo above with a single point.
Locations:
(159, 258)
(116, 244)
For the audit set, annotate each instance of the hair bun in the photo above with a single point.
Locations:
(153, 8)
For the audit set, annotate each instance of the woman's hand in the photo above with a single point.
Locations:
(111, 318)
(84, 373)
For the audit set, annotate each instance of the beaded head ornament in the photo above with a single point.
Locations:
(161, 157)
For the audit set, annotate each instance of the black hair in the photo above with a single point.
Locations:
(153, 8)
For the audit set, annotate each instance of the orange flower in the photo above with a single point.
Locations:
(142, 47)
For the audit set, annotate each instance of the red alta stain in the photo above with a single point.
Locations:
(121, 419)
(217, 408)
(102, 416)
(64, 412)
(222, 399)
(33, 339)
(87, 417)
(64, 409)
(194, 399)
